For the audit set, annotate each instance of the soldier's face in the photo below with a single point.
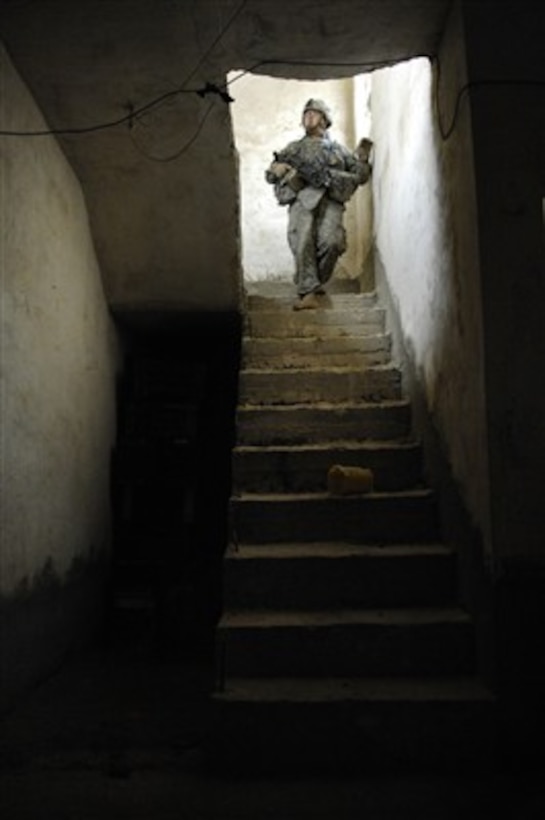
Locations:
(313, 121)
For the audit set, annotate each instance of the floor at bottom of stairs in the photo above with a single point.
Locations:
(110, 737)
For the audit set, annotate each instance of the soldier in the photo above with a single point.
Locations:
(315, 176)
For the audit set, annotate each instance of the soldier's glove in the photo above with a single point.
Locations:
(363, 151)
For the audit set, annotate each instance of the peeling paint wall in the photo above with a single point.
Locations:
(266, 117)
(426, 242)
(58, 358)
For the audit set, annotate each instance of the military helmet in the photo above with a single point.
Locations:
(319, 105)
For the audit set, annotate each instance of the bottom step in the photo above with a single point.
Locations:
(351, 726)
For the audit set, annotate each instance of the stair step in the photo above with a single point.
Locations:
(324, 575)
(285, 299)
(284, 286)
(336, 351)
(322, 422)
(299, 468)
(346, 643)
(284, 323)
(338, 384)
(351, 726)
(408, 516)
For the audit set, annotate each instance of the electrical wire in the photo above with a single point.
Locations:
(134, 113)
(209, 88)
(221, 91)
(446, 132)
(216, 41)
(185, 147)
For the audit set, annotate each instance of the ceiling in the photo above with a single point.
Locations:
(90, 59)
(140, 81)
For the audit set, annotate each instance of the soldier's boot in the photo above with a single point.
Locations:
(310, 301)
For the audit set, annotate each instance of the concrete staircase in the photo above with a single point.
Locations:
(342, 645)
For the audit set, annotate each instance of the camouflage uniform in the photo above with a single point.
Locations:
(324, 176)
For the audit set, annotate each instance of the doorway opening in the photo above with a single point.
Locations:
(266, 116)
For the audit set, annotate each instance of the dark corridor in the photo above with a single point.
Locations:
(171, 478)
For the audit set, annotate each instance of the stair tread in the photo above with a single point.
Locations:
(306, 371)
(279, 321)
(337, 286)
(303, 341)
(324, 446)
(343, 305)
(444, 689)
(323, 496)
(325, 405)
(287, 295)
(334, 550)
(267, 618)
(257, 301)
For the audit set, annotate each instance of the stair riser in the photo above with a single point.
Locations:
(308, 425)
(355, 650)
(283, 324)
(361, 519)
(339, 352)
(347, 582)
(306, 470)
(350, 737)
(294, 387)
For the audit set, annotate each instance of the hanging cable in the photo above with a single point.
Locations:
(216, 41)
(209, 88)
(185, 147)
(221, 91)
(446, 132)
(134, 113)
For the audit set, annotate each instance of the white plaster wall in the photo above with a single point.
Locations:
(425, 223)
(266, 116)
(57, 358)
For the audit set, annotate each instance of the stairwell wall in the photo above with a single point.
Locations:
(58, 363)
(427, 251)
(505, 60)
(505, 64)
